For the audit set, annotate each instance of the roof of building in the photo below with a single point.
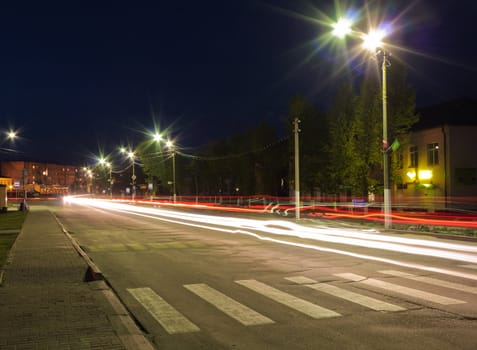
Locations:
(461, 111)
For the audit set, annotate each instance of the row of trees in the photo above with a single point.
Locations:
(340, 149)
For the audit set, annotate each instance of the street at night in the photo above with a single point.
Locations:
(253, 174)
(194, 281)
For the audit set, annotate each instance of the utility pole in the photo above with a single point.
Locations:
(296, 130)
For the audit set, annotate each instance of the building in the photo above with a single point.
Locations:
(437, 169)
(42, 178)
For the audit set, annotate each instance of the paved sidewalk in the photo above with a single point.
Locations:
(44, 301)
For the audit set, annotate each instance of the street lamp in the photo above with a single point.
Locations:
(373, 42)
(12, 135)
(130, 154)
(296, 130)
(103, 162)
(170, 145)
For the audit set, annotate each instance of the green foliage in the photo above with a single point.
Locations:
(244, 161)
(355, 134)
(157, 165)
(340, 151)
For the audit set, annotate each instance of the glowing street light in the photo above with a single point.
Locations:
(131, 155)
(373, 42)
(342, 27)
(105, 163)
(12, 135)
(170, 145)
(157, 137)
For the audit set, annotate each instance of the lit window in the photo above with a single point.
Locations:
(413, 156)
(432, 153)
(400, 160)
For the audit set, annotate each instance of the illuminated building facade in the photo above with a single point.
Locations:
(437, 168)
(43, 178)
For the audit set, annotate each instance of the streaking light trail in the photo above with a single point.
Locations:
(270, 228)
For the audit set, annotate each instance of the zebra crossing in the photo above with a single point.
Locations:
(174, 322)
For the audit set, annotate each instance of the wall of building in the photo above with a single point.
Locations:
(42, 177)
(446, 179)
(462, 172)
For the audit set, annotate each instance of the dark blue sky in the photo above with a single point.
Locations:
(76, 78)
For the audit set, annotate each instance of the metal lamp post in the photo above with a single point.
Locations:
(170, 145)
(133, 177)
(108, 165)
(372, 42)
(296, 130)
(130, 154)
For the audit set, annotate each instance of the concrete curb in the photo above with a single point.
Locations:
(123, 323)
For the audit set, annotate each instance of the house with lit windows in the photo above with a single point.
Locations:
(437, 169)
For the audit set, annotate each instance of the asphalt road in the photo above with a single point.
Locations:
(194, 287)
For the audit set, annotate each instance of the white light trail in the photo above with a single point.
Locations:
(445, 250)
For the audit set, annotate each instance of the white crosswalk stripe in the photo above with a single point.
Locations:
(433, 281)
(169, 318)
(289, 300)
(415, 293)
(353, 297)
(229, 306)
(471, 266)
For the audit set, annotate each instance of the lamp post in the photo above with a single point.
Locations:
(131, 155)
(296, 123)
(372, 41)
(170, 145)
(108, 165)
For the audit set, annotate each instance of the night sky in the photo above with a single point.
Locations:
(77, 79)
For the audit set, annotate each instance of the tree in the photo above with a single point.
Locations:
(356, 123)
(344, 130)
(156, 165)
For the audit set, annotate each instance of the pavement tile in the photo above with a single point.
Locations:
(44, 302)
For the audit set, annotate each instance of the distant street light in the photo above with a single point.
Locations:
(296, 123)
(130, 154)
(170, 144)
(12, 135)
(373, 42)
(103, 162)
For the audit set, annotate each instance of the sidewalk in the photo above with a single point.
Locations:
(45, 302)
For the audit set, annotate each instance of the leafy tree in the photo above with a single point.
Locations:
(344, 130)
(156, 165)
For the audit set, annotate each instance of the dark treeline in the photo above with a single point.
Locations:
(341, 149)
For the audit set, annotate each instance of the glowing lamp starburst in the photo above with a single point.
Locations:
(373, 40)
(342, 27)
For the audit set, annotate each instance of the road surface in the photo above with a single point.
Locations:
(210, 282)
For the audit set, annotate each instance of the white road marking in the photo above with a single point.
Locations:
(430, 280)
(289, 300)
(229, 306)
(415, 293)
(169, 318)
(363, 300)
(470, 266)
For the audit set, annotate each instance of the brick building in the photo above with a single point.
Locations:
(43, 178)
